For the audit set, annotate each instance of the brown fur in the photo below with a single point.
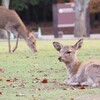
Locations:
(11, 22)
(75, 69)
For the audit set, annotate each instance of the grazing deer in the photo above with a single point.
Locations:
(11, 22)
(80, 73)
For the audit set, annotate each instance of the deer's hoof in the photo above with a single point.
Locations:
(13, 50)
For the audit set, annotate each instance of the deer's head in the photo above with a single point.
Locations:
(31, 41)
(67, 52)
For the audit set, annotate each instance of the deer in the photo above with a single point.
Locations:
(12, 23)
(85, 73)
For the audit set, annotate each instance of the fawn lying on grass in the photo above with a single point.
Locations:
(80, 73)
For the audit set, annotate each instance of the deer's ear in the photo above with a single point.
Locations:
(57, 46)
(78, 45)
(31, 35)
(32, 32)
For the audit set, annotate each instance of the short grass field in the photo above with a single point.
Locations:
(40, 76)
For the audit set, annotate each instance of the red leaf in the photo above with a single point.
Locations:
(0, 93)
(64, 88)
(81, 87)
(1, 70)
(44, 80)
(8, 80)
(39, 89)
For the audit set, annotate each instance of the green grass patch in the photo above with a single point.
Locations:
(23, 72)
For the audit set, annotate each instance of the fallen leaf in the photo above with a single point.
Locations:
(34, 98)
(81, 87)
(15, 79)
(1, 70)
(39, 71)
(44, 81)
(8, 80)
(64, 88)
(71, 98)
(0, 93)
(36, 80)
(21, 85)
(38, 89)
(0, 78)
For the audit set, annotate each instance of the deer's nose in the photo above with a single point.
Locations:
(35, 51)
(59, 58)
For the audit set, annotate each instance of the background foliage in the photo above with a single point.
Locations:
(33, 10)
(23, 4)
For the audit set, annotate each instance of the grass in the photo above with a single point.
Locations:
(23, 72)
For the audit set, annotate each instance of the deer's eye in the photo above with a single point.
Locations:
(68, 52)
(33, 42)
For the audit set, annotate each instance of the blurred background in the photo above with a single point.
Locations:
(39, 13)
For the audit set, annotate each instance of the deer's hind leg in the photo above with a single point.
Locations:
(10, 27)
(72, 81)
(88, 82)
(93, 75)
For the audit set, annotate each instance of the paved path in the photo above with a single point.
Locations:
(92, 36)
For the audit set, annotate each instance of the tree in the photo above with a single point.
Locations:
(5, 3)
(82, 25)
(23, 4)
(33, 10)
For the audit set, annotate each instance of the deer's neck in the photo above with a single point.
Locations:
(73, 67)
(23, 31)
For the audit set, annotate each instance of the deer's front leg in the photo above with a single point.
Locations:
(16, 43)
(72, 81)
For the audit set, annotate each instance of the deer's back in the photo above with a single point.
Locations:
(90, 66)
(7, 15)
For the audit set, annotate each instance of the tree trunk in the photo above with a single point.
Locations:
(5, 3)
(81, 21)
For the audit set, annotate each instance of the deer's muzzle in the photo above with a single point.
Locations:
(59, 59)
